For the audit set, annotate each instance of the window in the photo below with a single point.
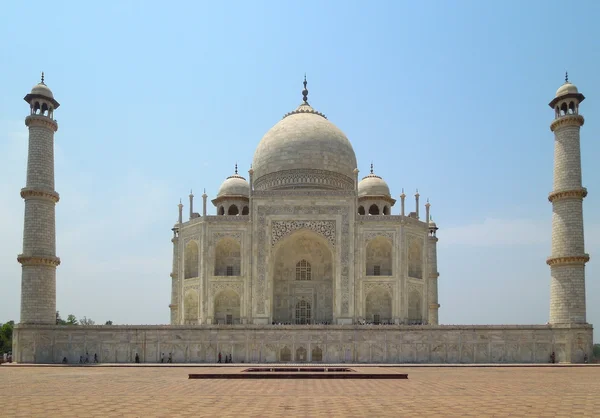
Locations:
(376, 270)
(303, 270)
(303, 313)
(229, 319)
(229, 271)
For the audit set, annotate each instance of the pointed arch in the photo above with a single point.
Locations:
(415, 258)
(233, 210)
(227, 307)
(190, 305)
(245, 210)
(303, 270)
(379, 254)
(378, 305)
(361, 210)
(228, 257)
(191, 260)
(414, 306)
(374, 209)
(221, 211)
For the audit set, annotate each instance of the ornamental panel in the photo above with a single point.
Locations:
(264, 212)
(281, 229)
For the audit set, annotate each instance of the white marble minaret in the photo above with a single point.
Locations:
(38, 260)
(567, 262)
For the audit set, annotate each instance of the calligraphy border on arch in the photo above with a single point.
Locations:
(261, 281)
(281, 229)
(369, 235)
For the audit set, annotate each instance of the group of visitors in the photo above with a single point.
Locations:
(7, 357)
(167, 360)
(227, 358)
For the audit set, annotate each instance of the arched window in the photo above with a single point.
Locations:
(386, 210)
(228, 257)
(245, 211)
(233, 210)
(221, 210)
(373, 210)
(317, 354)
(303, 313)
(361, 210)
(571, 108)
(303, 270)
(44, 108)
(563, 109)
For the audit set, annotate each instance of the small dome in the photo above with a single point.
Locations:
(42, 90)
(567, 88)
(373, 185)
(234, 185)
(432, 224)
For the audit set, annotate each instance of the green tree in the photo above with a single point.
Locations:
(596, 351)
(87, 321)
(71, 320)
(59, 320)
(109, 322)
(6, 332)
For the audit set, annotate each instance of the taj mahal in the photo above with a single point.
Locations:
(306, 261)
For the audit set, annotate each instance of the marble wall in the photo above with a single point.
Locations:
(332, 343)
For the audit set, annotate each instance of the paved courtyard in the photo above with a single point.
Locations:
(429, 391)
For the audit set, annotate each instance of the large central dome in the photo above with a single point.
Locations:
(304, 151)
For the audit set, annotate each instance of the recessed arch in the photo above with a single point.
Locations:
(245, 210)
(292, 256)
(227, 307)
(374, 209)
(386, 210)
(361, 210)
(317, 354)
(285, 354)
(378, 306)
(221, 211)
(228, 257)
(414, 306)
(415, 258)
(379, 254)
(301, 354)
(190, 305)
(233, 210)
(191, 260)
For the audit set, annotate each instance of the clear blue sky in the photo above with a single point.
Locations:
(159, 98)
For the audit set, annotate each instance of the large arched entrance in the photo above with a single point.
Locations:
(302, 277)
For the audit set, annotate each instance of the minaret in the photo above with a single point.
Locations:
(434, 306)
(38, 260)
(567, 262)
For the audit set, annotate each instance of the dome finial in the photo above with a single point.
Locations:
(236, 167)
(371, 167)
(305, 91)
(566, 76)
(42, 77)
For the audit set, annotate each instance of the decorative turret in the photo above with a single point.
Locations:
(567, 262)
(234, 196)
(433, 304)
(374, 195)
(39, 260)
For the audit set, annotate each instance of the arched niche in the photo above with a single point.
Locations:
(361, 210)
(302, 269)
(373, 209)
(414, 306)
(415, 258)
(227, 307)
(190, 312)
(378, 306)
(191, 260)
(245, 210)
(228, 257)
(379, 257)
(233, 210)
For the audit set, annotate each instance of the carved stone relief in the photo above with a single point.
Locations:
(262, 214)
(281, 229)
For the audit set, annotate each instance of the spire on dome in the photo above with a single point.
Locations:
(42, 82)
(305, 91)
(371, 167)
(566, 76)
(236, 170)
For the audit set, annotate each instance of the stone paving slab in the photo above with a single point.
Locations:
(430, 391)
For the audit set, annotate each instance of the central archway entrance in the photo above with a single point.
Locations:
(302, 274)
